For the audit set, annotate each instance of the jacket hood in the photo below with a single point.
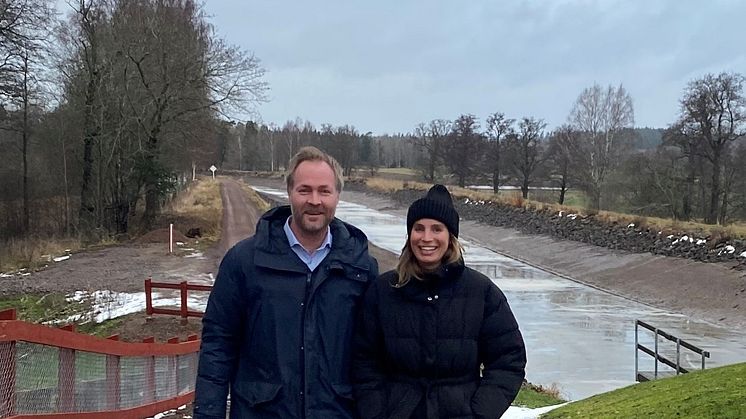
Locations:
(349, 243)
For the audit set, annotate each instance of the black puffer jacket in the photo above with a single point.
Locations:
(418, 349)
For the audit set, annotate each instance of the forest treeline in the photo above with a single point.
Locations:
(108, 108)
(695, 169)
(105, 109)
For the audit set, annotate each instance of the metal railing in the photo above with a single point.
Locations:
(655, 353)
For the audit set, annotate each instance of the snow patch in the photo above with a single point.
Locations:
(61, 258)
(572, 216)
(517, 412)
(631, 225)
(727, 249)
(743, 255)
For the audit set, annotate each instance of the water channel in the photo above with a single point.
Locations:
(577, 337)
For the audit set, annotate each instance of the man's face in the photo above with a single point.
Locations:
(313, 197)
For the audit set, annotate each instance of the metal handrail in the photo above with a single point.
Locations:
(676, 365)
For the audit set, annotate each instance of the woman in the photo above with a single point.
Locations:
(435, 339)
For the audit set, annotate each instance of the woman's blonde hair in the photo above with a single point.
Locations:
(409, 268)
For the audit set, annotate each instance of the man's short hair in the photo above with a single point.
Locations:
(310, 153)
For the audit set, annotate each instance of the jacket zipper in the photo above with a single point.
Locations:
(303, 345)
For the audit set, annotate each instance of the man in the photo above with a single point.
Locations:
(279, 322)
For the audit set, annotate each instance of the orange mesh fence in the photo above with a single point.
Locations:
(50, 371)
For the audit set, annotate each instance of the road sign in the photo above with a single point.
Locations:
(213, 169)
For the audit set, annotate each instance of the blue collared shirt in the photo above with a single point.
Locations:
(311, 260)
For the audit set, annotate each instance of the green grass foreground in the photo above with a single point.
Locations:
(714, 393)
(533, 396)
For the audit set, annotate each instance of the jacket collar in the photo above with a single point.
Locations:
(439, 282)
(349, 244)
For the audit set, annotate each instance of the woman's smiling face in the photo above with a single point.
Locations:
(429, 241)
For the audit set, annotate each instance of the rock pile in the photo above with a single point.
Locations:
(592, 230)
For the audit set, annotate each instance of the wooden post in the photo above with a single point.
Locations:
(148, 296)
(8, 378)
(149, 393)
(184, 308)
(173, 363)
(112, 379)
(66, 380)
(678, 356)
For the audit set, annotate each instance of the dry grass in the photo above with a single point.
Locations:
(262, 205)
(32, 252)
(666, 225)
(199, 206)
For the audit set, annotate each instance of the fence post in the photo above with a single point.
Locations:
(678, 356)
(173, 362)
(148, 296)
(66, 380)
(8, 379)
(184, 308)
(637, 356)
(112, 379)
(655, 374)
(150, 395)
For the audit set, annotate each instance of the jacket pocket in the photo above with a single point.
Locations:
(256, 392)
(342, 390)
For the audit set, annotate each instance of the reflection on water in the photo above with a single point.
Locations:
(578, 337)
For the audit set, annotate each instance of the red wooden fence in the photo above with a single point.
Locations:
(184, 289)
(36, 383)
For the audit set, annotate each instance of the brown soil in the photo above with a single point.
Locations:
(161, 236)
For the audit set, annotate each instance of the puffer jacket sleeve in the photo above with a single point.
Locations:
(503, 353)
(221, 337)
(368, 376)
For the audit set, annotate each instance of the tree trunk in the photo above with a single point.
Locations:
(496, 181)
(686, 204)
(712, 213)
(524, 188)
(563, 188)
(25, 135)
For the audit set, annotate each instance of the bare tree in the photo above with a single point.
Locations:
(429, 139)
(461, 148)
(713, 110)
(524, 151)
(560, 158)
(499, 128)
(600, 116)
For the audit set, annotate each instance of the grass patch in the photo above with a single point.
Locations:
(713, 393)
(103, 329)
(534, 396)
(262, 205)
(41, 308)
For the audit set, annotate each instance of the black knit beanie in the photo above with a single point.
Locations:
(437, 205)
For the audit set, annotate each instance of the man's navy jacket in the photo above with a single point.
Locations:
(278, 335)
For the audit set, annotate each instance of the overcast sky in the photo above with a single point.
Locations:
(386, 65)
